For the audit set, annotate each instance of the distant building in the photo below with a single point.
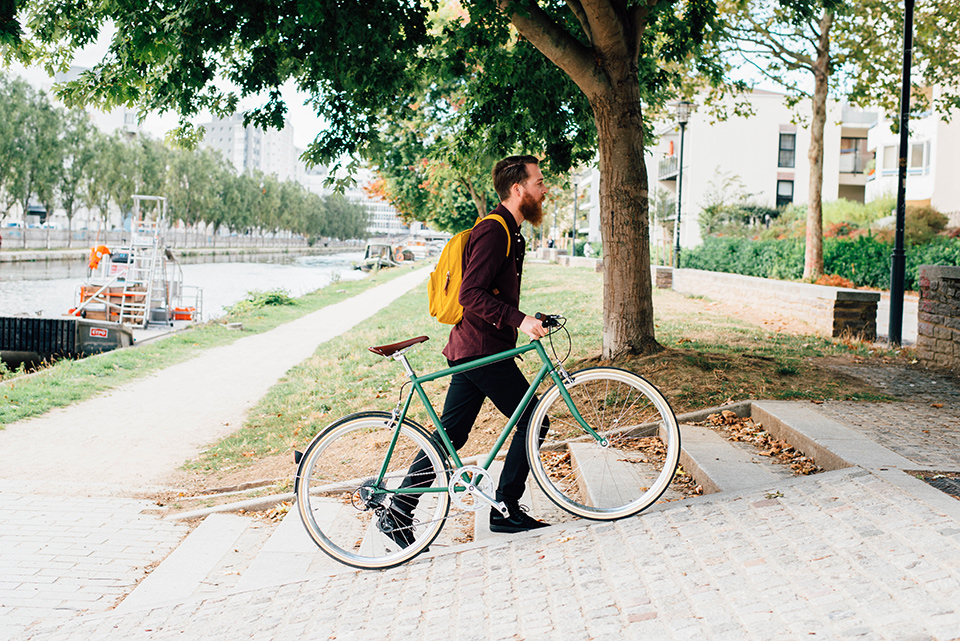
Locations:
(382, 217)
(933, 159)
(252, 149)
(766, 153)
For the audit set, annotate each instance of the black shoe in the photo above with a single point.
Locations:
(397, 526)
(518, 521)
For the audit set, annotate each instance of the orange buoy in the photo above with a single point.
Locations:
(97, 253)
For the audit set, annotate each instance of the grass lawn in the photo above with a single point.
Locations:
(73, 381)
(709, 358)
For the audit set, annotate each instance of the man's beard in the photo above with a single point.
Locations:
(531, 210)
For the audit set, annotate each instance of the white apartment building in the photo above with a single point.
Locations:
(933, 160)
(766, 152)
(250, 149)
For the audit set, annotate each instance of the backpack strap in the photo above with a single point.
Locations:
(499, 219)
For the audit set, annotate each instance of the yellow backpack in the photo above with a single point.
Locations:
(443, 290)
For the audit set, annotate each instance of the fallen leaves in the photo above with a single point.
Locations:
(735, 428)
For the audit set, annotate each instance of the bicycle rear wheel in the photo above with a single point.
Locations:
(343, 507)
(613, 480)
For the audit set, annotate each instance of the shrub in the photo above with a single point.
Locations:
(921, 224)
(864, 261)
(258, 299)
(764, 258)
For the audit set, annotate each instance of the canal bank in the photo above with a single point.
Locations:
(48, 255)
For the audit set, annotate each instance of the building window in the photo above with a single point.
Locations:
(784, 192)
(788, 150)
(853, 155)
(918, 155)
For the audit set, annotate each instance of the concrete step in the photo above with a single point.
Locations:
(831, 444)
(721, 466)
(212, 549)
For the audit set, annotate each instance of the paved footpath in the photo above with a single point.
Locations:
(72, 538)
(867, 552)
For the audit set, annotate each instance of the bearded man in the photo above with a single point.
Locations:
(490, 295)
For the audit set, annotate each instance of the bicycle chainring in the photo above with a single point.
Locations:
(461, 482)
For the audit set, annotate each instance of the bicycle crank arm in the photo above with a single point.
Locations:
(473, 490)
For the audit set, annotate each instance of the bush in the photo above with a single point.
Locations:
(921, 225)
(257, 300)
(763, 258)
(864, 261)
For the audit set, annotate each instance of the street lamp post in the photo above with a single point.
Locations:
(898, 259)
(684, 108)
(573, 231)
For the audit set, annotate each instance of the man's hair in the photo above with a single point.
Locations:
(510, 171)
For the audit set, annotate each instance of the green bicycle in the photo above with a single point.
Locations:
(611, 450)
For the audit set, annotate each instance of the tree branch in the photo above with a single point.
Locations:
(608, 27)
(555, 42)
(637, 17)
(581, 15)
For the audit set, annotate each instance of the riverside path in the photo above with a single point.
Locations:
(73, 535)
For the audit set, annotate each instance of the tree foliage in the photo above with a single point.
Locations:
(612, 66)
(57, 158)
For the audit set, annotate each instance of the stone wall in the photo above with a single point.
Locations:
(938, 319)
(833, 311)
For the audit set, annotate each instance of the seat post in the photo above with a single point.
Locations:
(402, 358)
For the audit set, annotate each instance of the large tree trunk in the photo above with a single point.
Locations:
(606, 71)
(627, 290)
(813, 253)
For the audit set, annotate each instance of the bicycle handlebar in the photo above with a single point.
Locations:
(548, 320)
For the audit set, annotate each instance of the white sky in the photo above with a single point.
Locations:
(306, 125)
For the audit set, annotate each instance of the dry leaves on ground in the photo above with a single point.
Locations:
(735, 428)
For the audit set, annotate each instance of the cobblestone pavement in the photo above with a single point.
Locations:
(845, 554)
(62, 554)
(924, 426)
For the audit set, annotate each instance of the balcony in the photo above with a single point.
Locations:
(854, 161)
(669, 167)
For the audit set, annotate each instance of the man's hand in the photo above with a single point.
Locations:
(532, 327)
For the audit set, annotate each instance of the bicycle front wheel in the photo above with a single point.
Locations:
(349, 513)
(624, 472)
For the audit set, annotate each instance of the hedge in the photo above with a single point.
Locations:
(865, 260)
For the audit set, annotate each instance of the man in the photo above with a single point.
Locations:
(490, 295)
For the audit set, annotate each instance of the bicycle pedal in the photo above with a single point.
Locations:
(503, 509)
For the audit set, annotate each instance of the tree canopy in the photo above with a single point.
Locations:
(570, 80)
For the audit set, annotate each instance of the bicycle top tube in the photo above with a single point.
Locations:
(482, 361)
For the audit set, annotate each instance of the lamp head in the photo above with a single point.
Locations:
(684, 109)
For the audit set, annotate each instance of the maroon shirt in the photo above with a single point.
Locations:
(490, 291)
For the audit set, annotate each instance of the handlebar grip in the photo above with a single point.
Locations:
(547, 320)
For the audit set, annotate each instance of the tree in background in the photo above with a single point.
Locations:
(793, 43)
(79, 145)
(851, 50)
(613, 65)
(15, 103)
(38, 150)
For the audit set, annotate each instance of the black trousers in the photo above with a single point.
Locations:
(504, 384)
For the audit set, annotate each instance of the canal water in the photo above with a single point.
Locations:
(49, 289)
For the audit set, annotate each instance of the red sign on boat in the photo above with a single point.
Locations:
(98, 331)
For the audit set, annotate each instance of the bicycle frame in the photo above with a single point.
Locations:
(546, 369)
